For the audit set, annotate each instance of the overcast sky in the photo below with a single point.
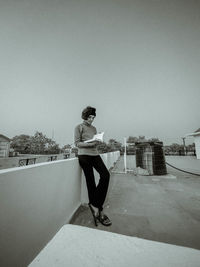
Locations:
(136, 61)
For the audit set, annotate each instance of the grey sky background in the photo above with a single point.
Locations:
(137, 62)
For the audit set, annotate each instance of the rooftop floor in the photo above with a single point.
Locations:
(160, 208)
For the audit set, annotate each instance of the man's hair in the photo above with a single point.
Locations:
(87, 112)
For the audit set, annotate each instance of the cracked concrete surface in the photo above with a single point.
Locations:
(156, 208)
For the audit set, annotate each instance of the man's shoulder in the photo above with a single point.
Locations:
(79, 126)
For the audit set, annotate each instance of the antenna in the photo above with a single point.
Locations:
(125, 169)
(52, 134)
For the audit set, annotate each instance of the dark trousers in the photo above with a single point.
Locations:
(96, 193)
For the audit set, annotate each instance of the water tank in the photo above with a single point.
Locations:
(150, 156)
(159, 164)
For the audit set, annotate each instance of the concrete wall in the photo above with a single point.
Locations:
(35, 202)
(4, 148)
(197, 145)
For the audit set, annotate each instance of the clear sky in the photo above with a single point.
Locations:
(136, 61)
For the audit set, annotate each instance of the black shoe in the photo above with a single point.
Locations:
(103, 218)
(93, 214)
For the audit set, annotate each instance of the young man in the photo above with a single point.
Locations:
(89, 158)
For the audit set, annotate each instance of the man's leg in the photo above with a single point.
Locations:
(102, 187)
(87, 166)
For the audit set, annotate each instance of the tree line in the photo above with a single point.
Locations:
(36, 144)
(173, 149)
(40, 144)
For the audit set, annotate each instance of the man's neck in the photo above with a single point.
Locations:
(86, 123)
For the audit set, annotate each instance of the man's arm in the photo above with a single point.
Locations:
(78, 142)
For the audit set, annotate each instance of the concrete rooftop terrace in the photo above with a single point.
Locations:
(159, 208)
(78, 246)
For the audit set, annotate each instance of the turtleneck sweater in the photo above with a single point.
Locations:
(83, 132)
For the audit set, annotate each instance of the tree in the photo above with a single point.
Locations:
(37, 144)
(103, 147)
(191, 148)
(153, 140)
(66, 147)
(114, 145)
(142, 138)
(130, 148)
(132, 139)
(21, 143)
(177, 148)
(40, 144)
(52, 147)
(167, 150)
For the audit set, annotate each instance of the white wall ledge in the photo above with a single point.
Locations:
(35, 165)
(78, 246)
(35, 202)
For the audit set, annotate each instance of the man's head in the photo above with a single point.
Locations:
(87, 112)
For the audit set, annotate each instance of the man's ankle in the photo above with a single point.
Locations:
(95, 209)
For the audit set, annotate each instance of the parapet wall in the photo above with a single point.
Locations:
(35, 202)
(23, 160)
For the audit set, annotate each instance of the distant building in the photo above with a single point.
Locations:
(196, 136)
(4, 146)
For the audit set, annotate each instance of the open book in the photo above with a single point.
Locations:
(96, 137)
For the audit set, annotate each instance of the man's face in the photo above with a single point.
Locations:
(90, 119)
